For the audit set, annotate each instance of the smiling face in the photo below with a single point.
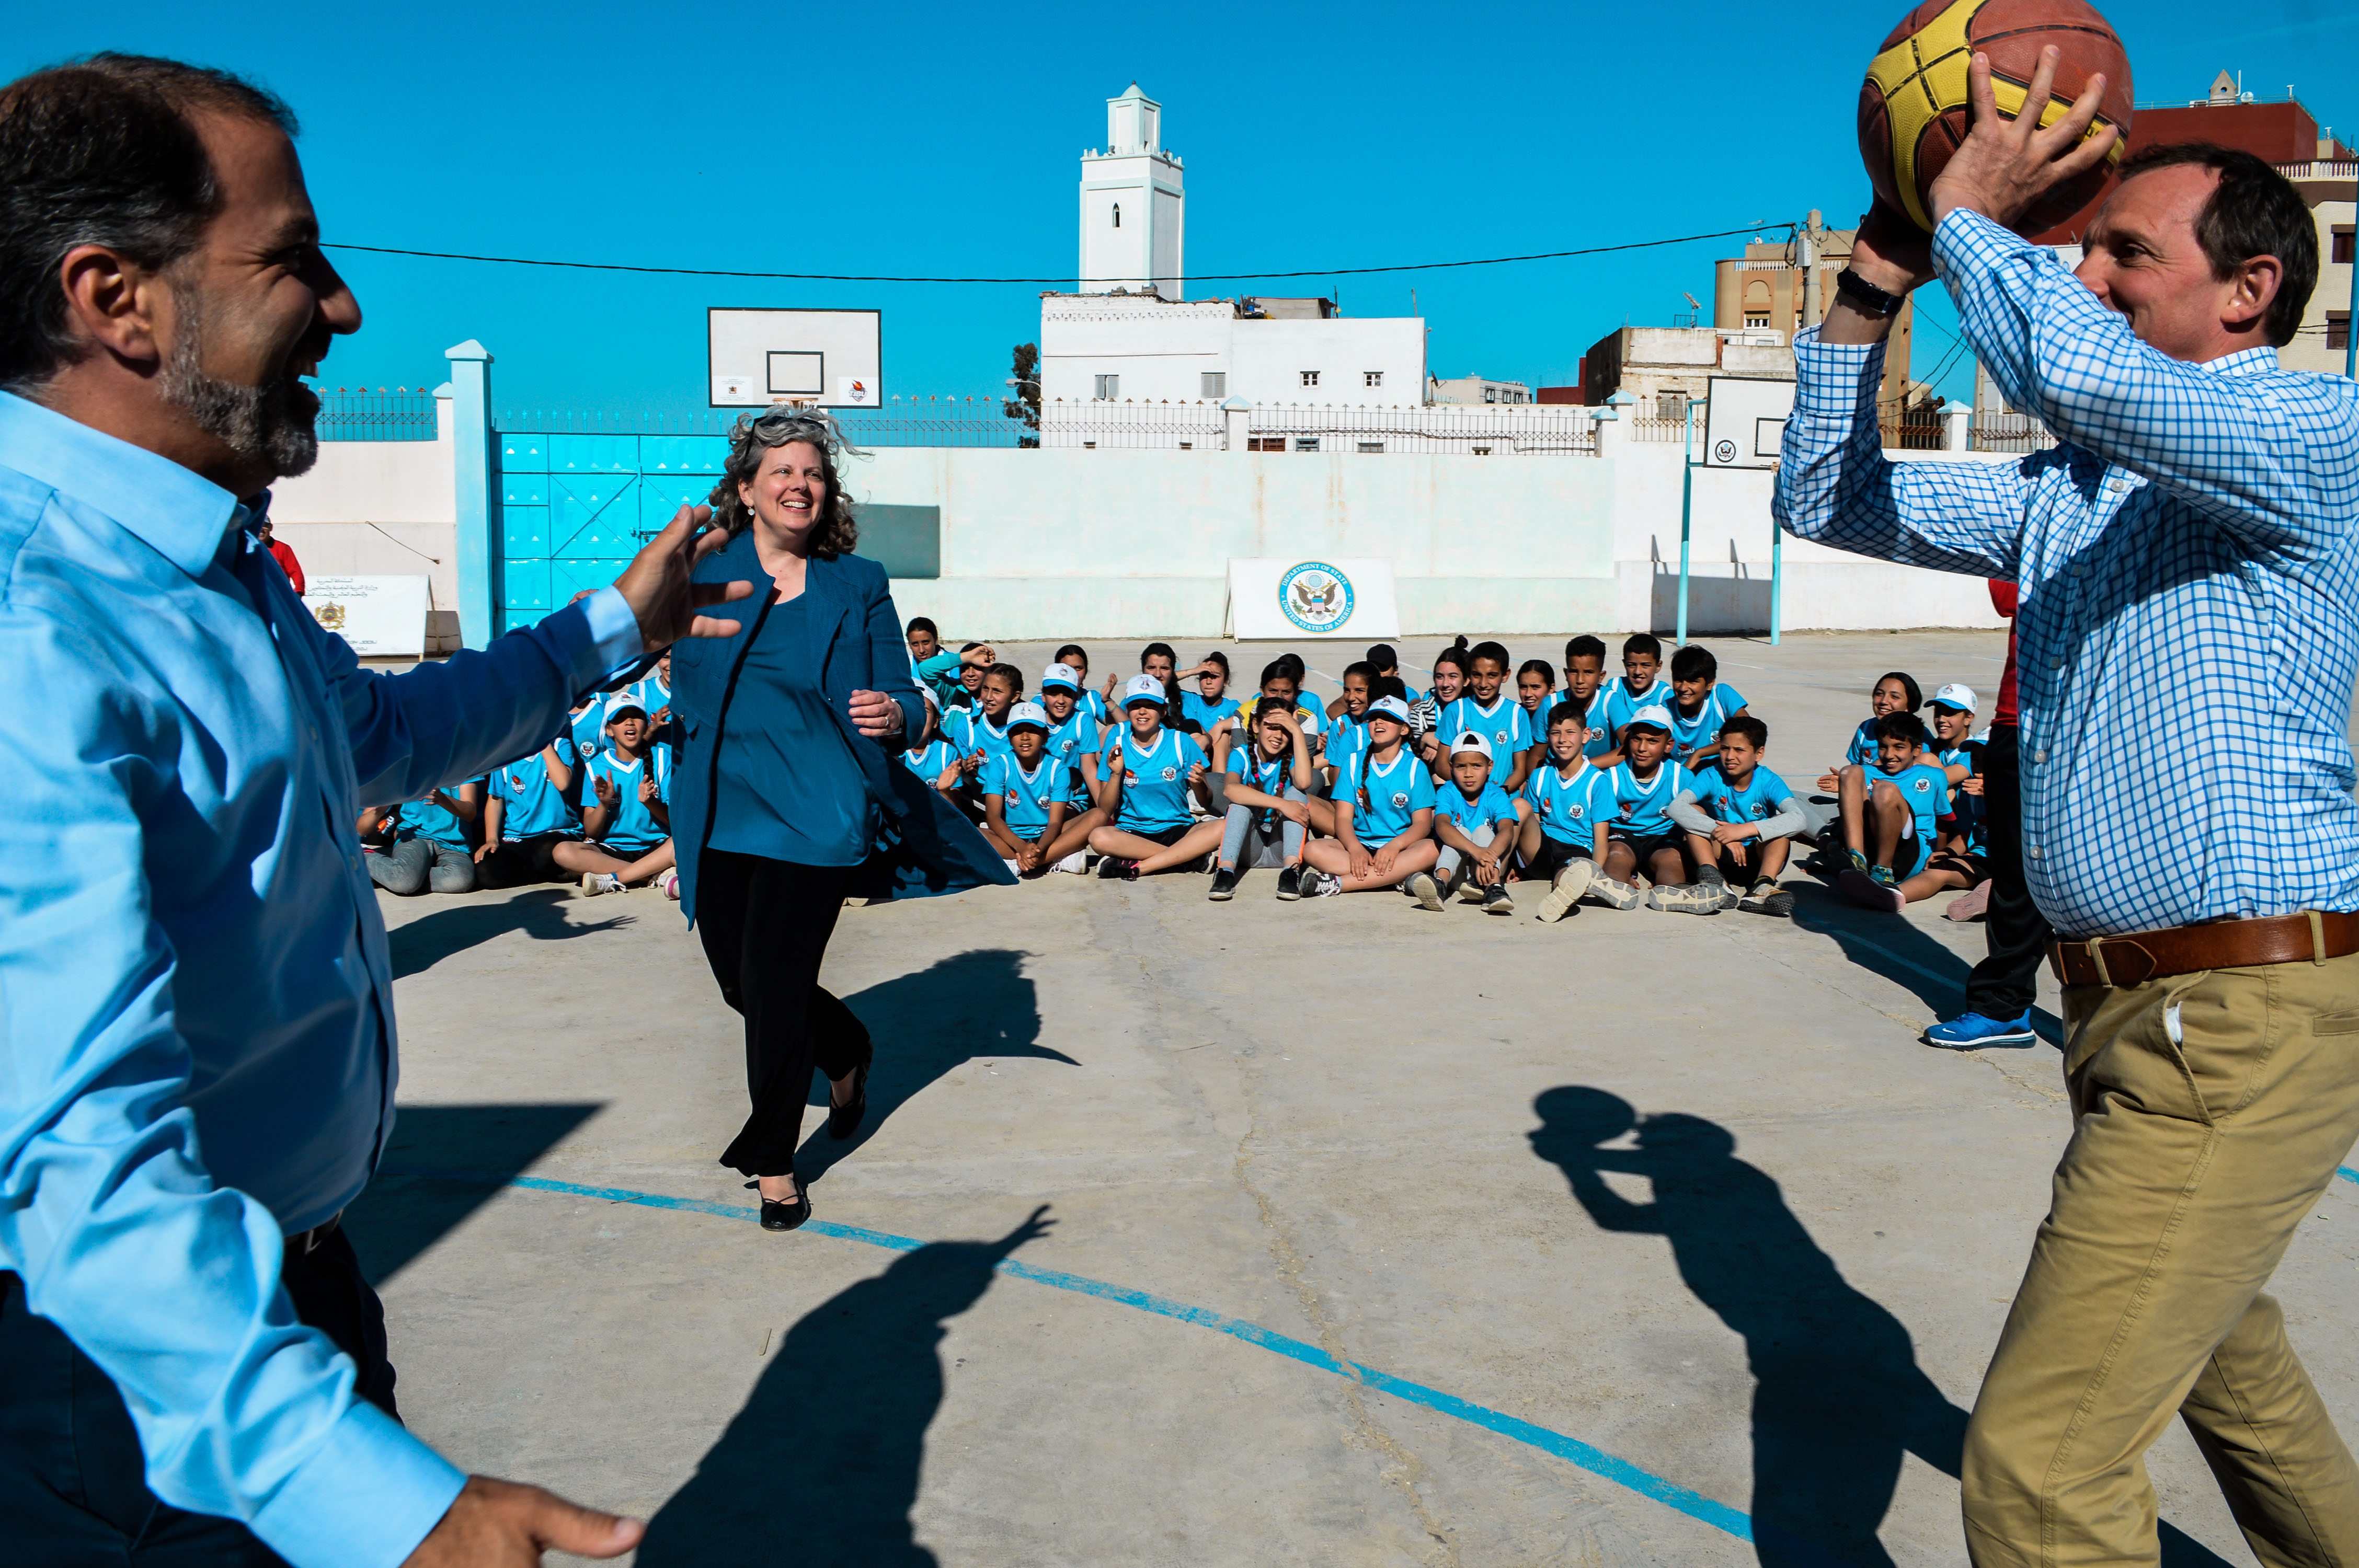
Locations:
(1892, 756)
(1449, 681)
(1058, 702)
(1566, 740)
(787, 494)
(1532, 690)
(1644, 746)
(1584, 675)
(1146, 718)
(1639, 670)
(1952, 725)
(1271, 732)
(1690, 691)
(1486, 678)
(1356, 695)
(1026, 741)
(1890, 697)
(2142, 258)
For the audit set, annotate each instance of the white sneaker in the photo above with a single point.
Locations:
(1685, 898)
(1571, 881)
(1422, 887)
(1078, 863)
(669, 882)
(1013, 868)
(595, 882)
(1613, 894)
(1469, 891)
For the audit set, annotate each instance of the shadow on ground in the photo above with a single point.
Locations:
(821, 1465)
(409, 1206)
(976, 1005)
(419, 944)
(1894, 948)
(1838, 1397)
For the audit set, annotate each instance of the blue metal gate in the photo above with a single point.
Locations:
(574, 508)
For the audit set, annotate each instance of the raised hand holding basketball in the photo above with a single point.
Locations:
(2004, 166)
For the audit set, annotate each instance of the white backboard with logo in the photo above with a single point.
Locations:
(381, 617)
(1744, 421)
(831, 358)
(1312, 598)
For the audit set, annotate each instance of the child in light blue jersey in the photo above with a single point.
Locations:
(1074, 739)
(587, 729)
(1425, 717)
(1563, 842)
(528, 812)
(1383, 813)
(1700, 703)
(1888, 825)
(654, 693)
(1268, 815)
(1476, 824)
(1894, 692)
(432, 844)
(1740, 819)
(627, 815)
(1210, 707)
(1535, 695)
(1026, 792)
(1642, 685)
(980, 732)
(937, 762)
(1151, 771)
(1076, 658)
(1487, 709)
(1584, 687)
(1347, 731)
(1646, 841)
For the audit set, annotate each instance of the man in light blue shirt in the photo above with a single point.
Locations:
(174, 1156)
(2187, 635)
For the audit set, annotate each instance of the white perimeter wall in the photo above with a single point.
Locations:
(380, 509)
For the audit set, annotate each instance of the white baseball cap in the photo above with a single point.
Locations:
(1145, 688)
(1391, 708)
(1655, 716)
(1062, 675)
(1469, 742)
(1030, 713)
(1960, 697)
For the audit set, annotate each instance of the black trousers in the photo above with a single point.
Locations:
(2005, 983)
(73, 1488)
(766, 925)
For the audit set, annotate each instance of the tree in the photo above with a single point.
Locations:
(1026, 403)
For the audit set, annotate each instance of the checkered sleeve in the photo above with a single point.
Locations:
(2256, 453)
(1836, 487)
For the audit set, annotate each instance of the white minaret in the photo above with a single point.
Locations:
(1134, 213)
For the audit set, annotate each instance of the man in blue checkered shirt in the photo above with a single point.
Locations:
(2188, 636)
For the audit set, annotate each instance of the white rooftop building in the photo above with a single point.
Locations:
(1131, 335)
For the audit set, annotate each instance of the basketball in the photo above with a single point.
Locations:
(1915, 109)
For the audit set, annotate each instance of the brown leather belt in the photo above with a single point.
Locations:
(2138, 956)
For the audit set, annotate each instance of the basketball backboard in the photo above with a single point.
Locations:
(831, 358)
(1744, 421)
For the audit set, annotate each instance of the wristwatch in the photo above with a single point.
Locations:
(1866, 296)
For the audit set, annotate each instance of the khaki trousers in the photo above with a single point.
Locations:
(2210, 1111)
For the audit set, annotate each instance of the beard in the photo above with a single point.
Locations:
(270, 425)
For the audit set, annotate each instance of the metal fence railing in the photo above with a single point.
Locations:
(1913, 430)
(350, 414)
(1464, 430)
(1199, 426)
(2010, 433)
(901, 422)
(1667, 432)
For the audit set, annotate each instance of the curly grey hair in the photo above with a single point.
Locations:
(755, 435)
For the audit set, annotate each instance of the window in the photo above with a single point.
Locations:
(1216, 384)
(1118, 214)
(1264, 443)
(1490, 394)
(2339, 251)
(1311, 378)
(1109, 387)
(1670, 405)
(1482, 452)
(2338, 330)
(1306, 443)
(1372, 378)
(1372, 446)
(1757, 318)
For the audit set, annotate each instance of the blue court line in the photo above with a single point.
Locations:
(2346, 1172)
(1596, 1461)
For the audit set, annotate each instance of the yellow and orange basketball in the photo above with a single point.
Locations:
(1914, 110)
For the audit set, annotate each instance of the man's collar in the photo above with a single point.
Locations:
(2262, 361)
(176, 510)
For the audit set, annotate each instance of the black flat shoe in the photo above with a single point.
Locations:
(844, 1121)
(783, 1216)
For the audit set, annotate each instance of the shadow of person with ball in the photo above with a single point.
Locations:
(1838, 1397)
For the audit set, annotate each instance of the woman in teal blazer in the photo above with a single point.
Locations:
(785, 797)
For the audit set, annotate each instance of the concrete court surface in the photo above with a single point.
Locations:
(1747, 1261)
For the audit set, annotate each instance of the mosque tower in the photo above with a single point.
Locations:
(1134, 212)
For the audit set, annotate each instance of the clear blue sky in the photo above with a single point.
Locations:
(943, 139)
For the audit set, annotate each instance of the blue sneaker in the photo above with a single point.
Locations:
(1975, 1032)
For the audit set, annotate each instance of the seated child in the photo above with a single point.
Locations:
(429, 848)
(1563, 840)
(1490, 710)
(1536, 694)
(587, 725)
(1963, 851)
(1641, 686)
(1026, 794)
(938, 763)
(1887, 822)
(1894, 692)
(1210, 707)
(974, 659)
(1584, 687)
(1150, 771)
(1741, 819)
(1700, 703)
(1074, 739)
(1268, 796)
(1646, 840)
(625, 817)
(1383, 813)
(1347, 715)
(1385, 661)
(983, 728)
(1476, 822)
(1279, 683)
(936, 669)
(527, 814)
(1425, 717)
